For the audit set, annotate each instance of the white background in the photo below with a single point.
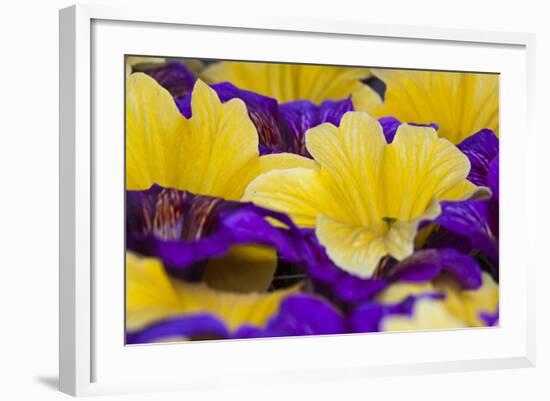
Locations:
(29, 228)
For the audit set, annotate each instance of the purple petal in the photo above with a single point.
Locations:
(200, 326)
(492, 178)
(174, 77)
(367, 317)
(183, 229)
(302, 115)
(443, 238)
(299, 315)
(475, 221)
(427, 264)
(389, 127)
(490, 319)
(480, 148)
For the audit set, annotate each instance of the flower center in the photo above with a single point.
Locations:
(390, 221)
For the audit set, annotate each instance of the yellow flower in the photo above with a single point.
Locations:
(460, 103)
(466, 305)
(365, 197)
(289, 82)
(215, 152)
(460, 308)
(152, 296)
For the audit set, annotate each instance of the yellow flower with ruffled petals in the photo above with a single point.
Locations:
(215, 152)
(460, 103)
(152, 296)
(366, 197)
(289, 82)
(459, 308)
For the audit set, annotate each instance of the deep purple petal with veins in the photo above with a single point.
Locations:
(301, 115)
(174, 77)
(480, 148)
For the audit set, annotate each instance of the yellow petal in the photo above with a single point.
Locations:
(151, 296)
(366, 99)
(296, 191)
(280, 161)
(467, 305)
(245, 268)
(427, 315)
(213, 153)
(154, 135)
(359, 249)
(222, 143)
(288, 82)
(350, 157)
(400, 238)
(356, 249)
(465, 190)
(459, 308)
(460, 103)
(398, 291)
(419, 168)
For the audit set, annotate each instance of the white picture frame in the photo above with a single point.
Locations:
(91, 362)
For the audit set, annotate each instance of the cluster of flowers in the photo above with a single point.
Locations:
(280, 200)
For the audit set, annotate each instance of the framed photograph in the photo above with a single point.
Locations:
(273, 199)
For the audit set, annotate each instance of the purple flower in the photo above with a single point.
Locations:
(183, 229)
